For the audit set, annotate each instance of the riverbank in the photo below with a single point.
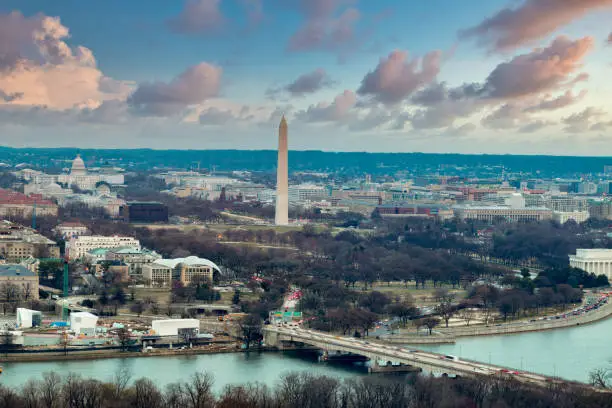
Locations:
(604, 312)
(449, 335)
(114, 352)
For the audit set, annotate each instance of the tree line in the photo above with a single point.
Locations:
(295, 390)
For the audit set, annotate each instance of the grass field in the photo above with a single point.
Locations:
(420, 296)
(162, 296)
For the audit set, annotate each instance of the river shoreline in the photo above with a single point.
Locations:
(60, 355)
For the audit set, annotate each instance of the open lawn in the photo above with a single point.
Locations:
(422, 297)
(161, 295)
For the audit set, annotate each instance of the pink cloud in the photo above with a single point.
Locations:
(198, 16)
(38, 68)
(531, 20)
(309, 83)
(192, 87)
(567, 99)
(328, 25)
(338, 110)
(395, 77)
(584, 121)
(543, 69)
(325, 32)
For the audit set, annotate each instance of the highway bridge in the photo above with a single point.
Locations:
(431, 362)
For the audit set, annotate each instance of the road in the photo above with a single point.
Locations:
(426, 360)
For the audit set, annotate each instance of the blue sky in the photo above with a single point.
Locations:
(381, 62)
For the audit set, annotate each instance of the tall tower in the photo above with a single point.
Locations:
(282, 176)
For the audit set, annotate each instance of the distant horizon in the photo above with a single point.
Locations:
(297, 150)
(524, 77)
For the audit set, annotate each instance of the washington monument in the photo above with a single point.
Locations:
(282, 176)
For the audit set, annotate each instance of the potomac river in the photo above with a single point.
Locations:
(569, 353)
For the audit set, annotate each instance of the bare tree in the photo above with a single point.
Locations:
(121, 379)
(467, 314)
(51, 390)
(199, 391)
(79, 393)
(600, 377)
(138, 308)
(123, 336)
(31, 394)
(446, 309)
(430, 323)
(27, 291)
(10, 292)
(146, 395)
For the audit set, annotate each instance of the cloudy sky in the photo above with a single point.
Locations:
(472, 76)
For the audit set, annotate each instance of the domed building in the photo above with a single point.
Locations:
(78, 167)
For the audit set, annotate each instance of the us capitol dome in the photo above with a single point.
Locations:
(78, 167)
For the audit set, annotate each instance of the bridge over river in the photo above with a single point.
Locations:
(431, 362)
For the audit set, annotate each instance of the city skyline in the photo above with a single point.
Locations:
(494, 77)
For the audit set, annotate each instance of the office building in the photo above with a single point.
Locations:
(601, 209)
(77, 247)
(415, 210)
(18, 205)
(18, 243)
(145, 212)
(494, 213)
(577, 216)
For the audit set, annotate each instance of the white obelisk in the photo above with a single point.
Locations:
(282, 176)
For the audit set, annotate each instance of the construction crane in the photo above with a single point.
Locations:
(34, 215)
(64, 283)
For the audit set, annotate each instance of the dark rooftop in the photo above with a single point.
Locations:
(15, 270)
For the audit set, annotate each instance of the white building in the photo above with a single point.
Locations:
(306, 192)
(492, 213)
(563, 217)
(78, 176)
(77, 247)
(184, 270)
(597, 261)
(171, 327)
(27, 318)
(71, 229)
(83, 322)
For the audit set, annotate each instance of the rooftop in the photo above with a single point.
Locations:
(190, 260)
(15, 270)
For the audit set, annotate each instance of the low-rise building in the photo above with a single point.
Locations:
(68, 230)
(597, 261)
(135, 258)
(18, 205)
(493, 213)
(578, 216)
(184, 270)
(18, 243)
(145, 212)
(601, 209)
(401, 210)
(24, 282)
(77, 247)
